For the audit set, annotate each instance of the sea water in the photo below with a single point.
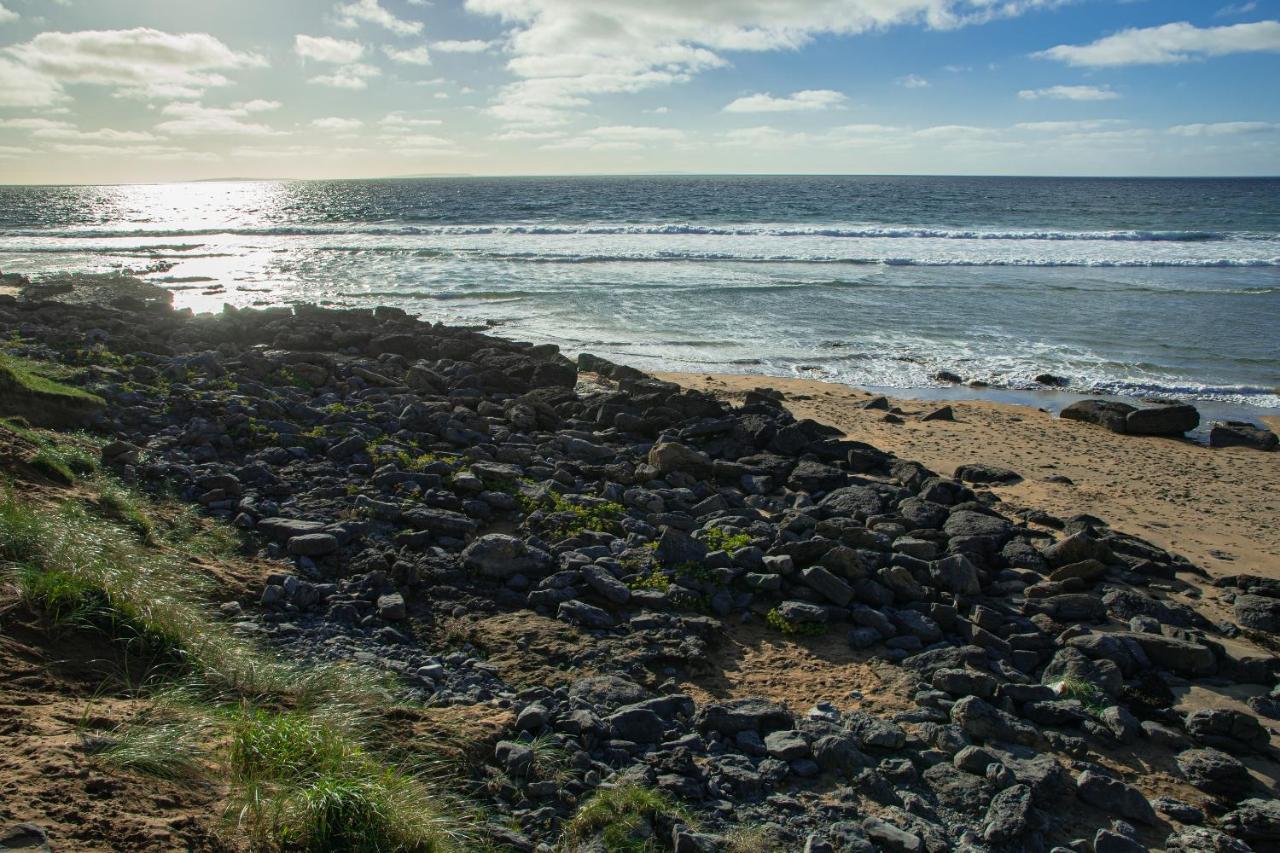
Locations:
(1144, 288)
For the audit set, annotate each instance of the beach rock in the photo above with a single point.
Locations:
(671, 456)
(944, 413)
(1214, 772)
(1256, 821)
(1227, 729)
(740, 715)
(586, 615)
(1173, 419)
(497, 555)
(1011, 815)
(1242, 434)
(1050, 379)
(313, 545)
(981, 720)
(1115, 797)
(982, 473)
(24, 836)
(1261, 613)
(1202, 839)
(1101, 412)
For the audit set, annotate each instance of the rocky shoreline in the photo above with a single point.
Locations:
(415, 478)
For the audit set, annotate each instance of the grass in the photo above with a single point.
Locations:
(293, 741)
(33, 377)
(622, 818)
(566, 518)
(655, 580)
(61, 457)
(1087, 693)
(719, 539)
(804, 629)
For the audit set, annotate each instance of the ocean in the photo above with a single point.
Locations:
(1133, 288)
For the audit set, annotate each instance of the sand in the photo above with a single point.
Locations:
(1217, 507)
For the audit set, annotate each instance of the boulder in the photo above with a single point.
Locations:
(670, 456)
(1261, 613)
(1214, 772)
(828, 585)
(1115, 797)
(313, 544)
(979, 719)
(982, 473)
(1101, 412)
(741, 715)
(1228, 729)
(1173, 419)
(1255, 821)
(497, 555)
(1242, 434)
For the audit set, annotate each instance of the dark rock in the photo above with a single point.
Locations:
(1100, 412)
(739, 715)
(497, 555)
(1226, 729)
(313, 544)
(1261, 613)
(1256, 821)
(943, 413)
(982, 473)
(1202, 839)
(586, 615)
(1214, 772)
(1242, 434)
(983, 721)
(1115, 797)
(1175, 419)
(1011, 815)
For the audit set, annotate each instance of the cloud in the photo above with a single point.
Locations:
(22, 87)
(325, 49)
(566, 52)
(620, 137)
(43, 128)
(411, 56)
(1067, 126)
(399, 121)
(1224, 128)
(1070, 93)
(467, 46)
(518, 135)
(804, 101)
(355, 77)
(338, 125)
(352, 14)
(1169, 43)
(1235, 9)
(191, 119)
(140, 62)
(913, 81)
(764, 138)
(258, 106)
(7, 15)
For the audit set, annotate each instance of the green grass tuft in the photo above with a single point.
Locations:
(719, 539)
(622, 817)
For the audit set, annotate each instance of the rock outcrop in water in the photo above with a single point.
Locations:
(476, 516)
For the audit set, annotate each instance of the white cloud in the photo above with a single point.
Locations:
(518, 135)
(411, 56)
(467, 46)
(22, 87)
(1224, 128)
(764, 138)
(400, 121)
(620, 137)
(1169, 43)
(566, 52)
(7, 15)
(258, 106)
(913, 81)
(140, 62)
(337, 124)
(1236, 9)
(659, 111)
(10, 151)
(355, 77)
(325, 49)
(806, 100)
(43, 128)
(1067, 126)
(191, 119)
(1070, 93)
(954, 132)
(353, 14)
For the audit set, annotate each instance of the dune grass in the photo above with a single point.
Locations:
(622, 818)
(33, 377)
(292, 740)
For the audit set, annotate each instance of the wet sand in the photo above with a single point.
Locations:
(1218, 507)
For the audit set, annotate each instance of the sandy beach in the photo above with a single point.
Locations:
(1217, 507)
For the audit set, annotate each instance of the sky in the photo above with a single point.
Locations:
(117, 91)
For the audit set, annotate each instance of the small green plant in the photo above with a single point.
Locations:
(567, 518)
(804, 629)
(622, 818)
(1085, 692)
(654, 580)
(719, 539)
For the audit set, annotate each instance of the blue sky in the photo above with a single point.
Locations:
(153, 90)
